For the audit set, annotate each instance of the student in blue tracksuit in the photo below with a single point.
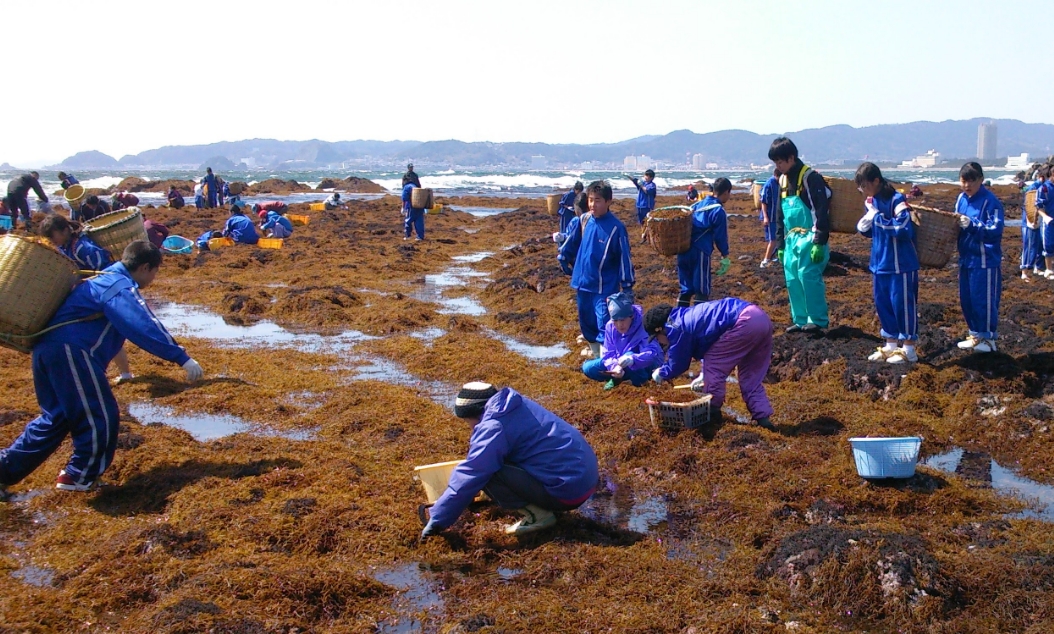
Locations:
(894, 264)
(1045, 205)
(240, 228)
(278, 225)
(980, 258)
(522, 455)
(413, 218)
(629, 354)
(726, 335)
(213, 187)
(67, 238)
(67, 180)
(567, 205)
(595, 253)
(709, 229)
(770, 199)
(1031, 238)
(645, 195)
(69, 370)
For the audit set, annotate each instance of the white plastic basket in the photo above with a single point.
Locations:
(886, 457)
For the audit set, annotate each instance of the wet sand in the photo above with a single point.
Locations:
(276, 495)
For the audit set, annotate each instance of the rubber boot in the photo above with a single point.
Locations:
(597, 351)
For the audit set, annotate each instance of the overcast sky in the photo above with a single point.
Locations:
(124, 77)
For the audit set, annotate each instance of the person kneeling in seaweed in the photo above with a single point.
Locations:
(724, 334)
(522, 455)
(629, 354)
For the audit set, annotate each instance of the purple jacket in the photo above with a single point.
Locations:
(692, 331)
(647, 353)
(516, 430)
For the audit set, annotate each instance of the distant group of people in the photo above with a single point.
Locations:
(1037, 235)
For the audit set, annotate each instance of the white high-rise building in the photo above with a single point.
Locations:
(644, 162)
(698, 161)
(986, 141)
(630, 163)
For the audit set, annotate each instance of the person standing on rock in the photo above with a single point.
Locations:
(413, 217)
(567, 205)
(645, 195)
(595, 253)
(980, 259)
(1031, 238)
(67, 180)
(894, 264)
(199, 194)
(802, 229)
(522, 455)
(17, 196)
(210, 188)
(724, 335)
(1045, 209)
(709, 229)
(411, 176)
(69, 371)
(770, 199)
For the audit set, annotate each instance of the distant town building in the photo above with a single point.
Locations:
(929, 159)
(539, 163)
(644, 162)
(586, 166)
(986, 141)
(630, 163)
(1021, 162)
(698, 162)
(712, 166)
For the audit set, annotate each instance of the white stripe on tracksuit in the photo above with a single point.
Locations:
(87, 409)
(106, 418)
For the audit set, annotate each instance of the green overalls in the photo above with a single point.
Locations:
(805, 285)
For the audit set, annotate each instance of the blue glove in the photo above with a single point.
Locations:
(565, 267)
(430, 530)
(725, 265)
(816, 254)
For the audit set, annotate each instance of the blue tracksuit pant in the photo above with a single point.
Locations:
(979, 293)
(1031, 249)
(414, 220)
(642, 213)
(1046, 230)
(693, 274)
(896, 295)
(595, 370)
(75, 398)
(592, 315)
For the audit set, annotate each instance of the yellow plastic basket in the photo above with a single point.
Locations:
(217, 243)
(435, 209)
(270, 243)
(317, 207)
(298, 219)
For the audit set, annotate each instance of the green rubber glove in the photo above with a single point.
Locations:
(725, 265)
(816, 254)
(779, 255)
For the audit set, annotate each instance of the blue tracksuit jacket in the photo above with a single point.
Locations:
(88, 255)
(980, 244)
(516, 430)
(646, 352)
(770, 195)
(892, 236)
(709, 228)
(567, 209)
(272, 219)
(241, 229)
(692, 331)
(599, 254)
(645, 195)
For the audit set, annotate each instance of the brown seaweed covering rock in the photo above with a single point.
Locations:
(275, 186)
(730, 528)
(351, 184)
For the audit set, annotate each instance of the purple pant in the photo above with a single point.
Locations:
(747, 345)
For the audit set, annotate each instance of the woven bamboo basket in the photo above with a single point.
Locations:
(236, 188)
(937, 236)
(1031, 211)
(847, 205)
(755, 192)
(34, 281)
(552, 203)
(116, 230)
(669, 230)
(421, 198)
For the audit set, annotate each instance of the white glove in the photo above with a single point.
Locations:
(656, 376)
(698, 383)
(194, 371)
(964, 221)
(625, 360)
(868, 220)
(617, 372)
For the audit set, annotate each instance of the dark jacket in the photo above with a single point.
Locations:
(19, 187)
(814, 197)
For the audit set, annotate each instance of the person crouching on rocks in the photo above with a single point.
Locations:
(239, 228)
(629, 354)
(522, 455)
(894, 265)
(275, 225)
(724, 334)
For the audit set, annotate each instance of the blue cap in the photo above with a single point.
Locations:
(620, 306)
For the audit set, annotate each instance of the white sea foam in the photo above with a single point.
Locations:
(101, 182)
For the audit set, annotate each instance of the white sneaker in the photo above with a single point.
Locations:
(1024, 276)
(969, 343)
(586, 352)
(903, 355)
(1036, 271)
(764, 264)
(881, 354)
(985, 345)
(1048, 274)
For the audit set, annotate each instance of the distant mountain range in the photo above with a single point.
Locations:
(893, 142)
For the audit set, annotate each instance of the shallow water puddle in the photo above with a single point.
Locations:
(481, 212)
(35, 576)
(385, 371)
(473, 257)
(620, 506)
(533, 352)
(981, 467)
(418, 597)
(206, 427)
(194, 321)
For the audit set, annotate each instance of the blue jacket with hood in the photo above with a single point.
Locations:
(892, 235)
(599, 254)
(87, 254)
(692, 331)
(516, 430)
(646, 352)
(980, 243)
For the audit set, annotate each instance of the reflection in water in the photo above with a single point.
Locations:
(205, 427)
(418, 597)
(980, 467)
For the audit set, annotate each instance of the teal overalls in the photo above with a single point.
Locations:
(805, 285)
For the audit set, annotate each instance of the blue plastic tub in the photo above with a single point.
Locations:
(177, 244)
(878, 458)
(5, 222)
